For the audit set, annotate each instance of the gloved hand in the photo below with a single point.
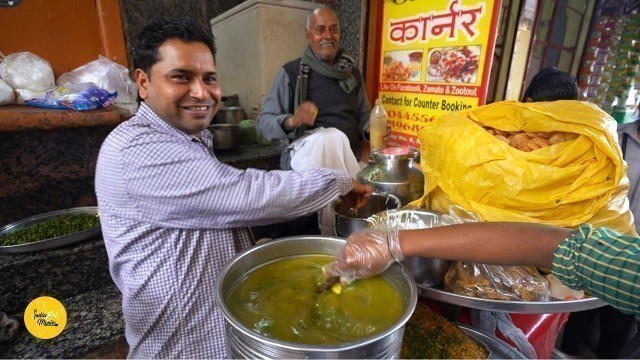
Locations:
(367, 252)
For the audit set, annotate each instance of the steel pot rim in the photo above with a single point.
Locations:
(375, 193)
(378, 155)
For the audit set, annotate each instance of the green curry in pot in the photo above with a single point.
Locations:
(279, 301)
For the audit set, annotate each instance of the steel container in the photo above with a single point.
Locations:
(395, 174)
(230, 115)
(348, 220)
(425, 271)
(225, 136)
(243, 342)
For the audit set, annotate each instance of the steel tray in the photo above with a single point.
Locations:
(498, 348)
(52, 243)
(523, 307)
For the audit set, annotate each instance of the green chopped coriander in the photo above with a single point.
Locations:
(55, 227)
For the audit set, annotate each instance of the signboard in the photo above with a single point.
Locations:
(435, 58)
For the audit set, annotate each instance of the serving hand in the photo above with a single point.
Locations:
(367, 252)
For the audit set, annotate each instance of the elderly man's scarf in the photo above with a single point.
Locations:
(341, 70)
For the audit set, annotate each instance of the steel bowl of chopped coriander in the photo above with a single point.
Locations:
(50, 230)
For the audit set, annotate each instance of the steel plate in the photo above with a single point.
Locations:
(52, 243)
(498, 348)
(523, 307)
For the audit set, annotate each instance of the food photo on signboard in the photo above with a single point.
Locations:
(457, 64)
(403, 65)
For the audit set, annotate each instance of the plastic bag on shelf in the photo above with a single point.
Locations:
(28, 74)
(110, 76)
(85, 96)
(511, 283)
(495, 282)
(500, 283)
(6, 93)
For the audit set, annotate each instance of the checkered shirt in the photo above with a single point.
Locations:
(603, 262)
(172, 215)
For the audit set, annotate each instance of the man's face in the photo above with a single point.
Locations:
(323, 35)
(182, 87)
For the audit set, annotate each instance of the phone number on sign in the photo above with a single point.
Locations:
(405, 115)
(399, 120)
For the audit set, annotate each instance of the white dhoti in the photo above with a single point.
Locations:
(324, 148)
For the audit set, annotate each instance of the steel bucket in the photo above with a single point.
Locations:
(243, 342)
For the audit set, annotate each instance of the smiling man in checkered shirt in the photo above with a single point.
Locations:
(172, 215)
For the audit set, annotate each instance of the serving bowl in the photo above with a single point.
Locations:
(244, 342)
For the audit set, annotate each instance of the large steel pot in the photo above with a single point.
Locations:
(395, 174)
(243, 342)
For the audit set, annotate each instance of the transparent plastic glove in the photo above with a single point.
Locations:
(367, 252)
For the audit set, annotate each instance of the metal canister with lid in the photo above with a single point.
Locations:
(395, 172)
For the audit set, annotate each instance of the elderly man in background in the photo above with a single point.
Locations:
(318, 103)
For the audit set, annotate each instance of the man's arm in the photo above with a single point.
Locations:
(603, 262)
(370, 251)
(177, 183)
(275, 110)
(487, 243)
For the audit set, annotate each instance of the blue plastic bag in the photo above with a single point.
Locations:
(84, 96)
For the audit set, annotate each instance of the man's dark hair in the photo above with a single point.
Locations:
(156, 32)
(552, 84)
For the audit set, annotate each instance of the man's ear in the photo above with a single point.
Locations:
(142, 80)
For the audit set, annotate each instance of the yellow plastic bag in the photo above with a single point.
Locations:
(582, 180)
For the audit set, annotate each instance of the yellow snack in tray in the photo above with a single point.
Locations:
(528, 141)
